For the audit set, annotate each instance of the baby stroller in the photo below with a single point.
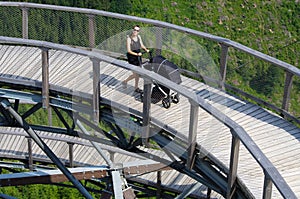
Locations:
(169, 70)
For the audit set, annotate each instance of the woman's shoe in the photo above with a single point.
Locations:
(138, 90)
(124, 85)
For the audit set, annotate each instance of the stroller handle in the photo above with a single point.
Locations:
(150, 57)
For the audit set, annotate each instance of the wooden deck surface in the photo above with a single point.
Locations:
(277, 138)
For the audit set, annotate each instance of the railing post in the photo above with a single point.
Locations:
(146, 111)
(30, 157)
(234, 157)
(208, 194)
(158, 184)
(158, 44)
(25, 22)
(50, 123)
(267, 193)
(223, 65)
(192, 134)
(91, 31)
(112, 156)
(45, 77)
(287, 90)
(71, 154)
(96, 89)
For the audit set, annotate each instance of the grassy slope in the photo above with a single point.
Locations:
(271, 27)
(267, 26)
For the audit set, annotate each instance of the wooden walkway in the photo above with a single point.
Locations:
(14, 144)
(277, 138)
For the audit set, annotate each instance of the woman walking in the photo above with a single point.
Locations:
(134, 44)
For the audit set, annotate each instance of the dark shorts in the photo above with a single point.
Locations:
(132, 59)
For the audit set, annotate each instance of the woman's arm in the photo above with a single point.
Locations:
(142, 45)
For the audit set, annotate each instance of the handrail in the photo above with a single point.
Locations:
(237, 130)
(218, 39)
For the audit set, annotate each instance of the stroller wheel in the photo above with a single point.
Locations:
(166, 103)
(175, 99)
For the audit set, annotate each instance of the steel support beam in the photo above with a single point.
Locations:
(5, 103)
(116, 176)
(117, 184)
(187, 192)
(95, 145)
(214, 179)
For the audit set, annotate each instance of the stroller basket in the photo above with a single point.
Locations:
(169, 70)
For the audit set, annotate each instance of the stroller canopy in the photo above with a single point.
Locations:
(165, 68)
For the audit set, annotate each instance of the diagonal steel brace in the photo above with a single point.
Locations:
(7, 106)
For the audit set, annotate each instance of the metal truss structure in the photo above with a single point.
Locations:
(207, 170)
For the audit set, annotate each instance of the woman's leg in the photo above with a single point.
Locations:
(136, 78)
(132, 76)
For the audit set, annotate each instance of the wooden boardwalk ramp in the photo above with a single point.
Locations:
(277, 138)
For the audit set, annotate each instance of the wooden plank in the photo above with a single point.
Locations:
(241, 111)
(50, 176)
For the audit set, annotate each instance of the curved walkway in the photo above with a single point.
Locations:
(277, 138)
(14, 145)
